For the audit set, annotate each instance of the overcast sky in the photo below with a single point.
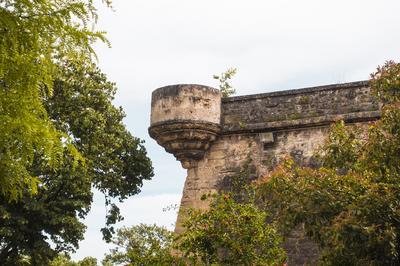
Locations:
(275, 45)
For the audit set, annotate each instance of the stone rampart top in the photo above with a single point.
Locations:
(305, 107)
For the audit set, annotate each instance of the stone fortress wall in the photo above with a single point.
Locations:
(213, 137)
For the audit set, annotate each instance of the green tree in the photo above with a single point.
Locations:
(35, 36)
(230, 233)
(59, 133)
(351, 205)
(114, 162)
(142, 245)
(233, 230)
(224, 82)
(65, 260)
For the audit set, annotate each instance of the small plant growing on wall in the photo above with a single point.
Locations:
(224, 82)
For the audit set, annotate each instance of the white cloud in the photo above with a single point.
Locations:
(156, 43)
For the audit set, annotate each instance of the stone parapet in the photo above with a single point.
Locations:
(307, 107)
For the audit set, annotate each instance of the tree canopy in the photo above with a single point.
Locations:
(230, 233)
(234, 230)
(35, 37)
(113, 161)
(64, 260)
(142, 245)
(60, 135)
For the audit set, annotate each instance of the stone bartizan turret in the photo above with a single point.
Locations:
(185, 120)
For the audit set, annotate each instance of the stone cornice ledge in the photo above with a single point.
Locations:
(302, 123)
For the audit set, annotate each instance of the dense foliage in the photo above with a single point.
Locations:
(64, 260)
(116, 163)
(35, 37)
(113, 161)
(233, 230)
(350, 206)
(60, 135)
(230, 233)
(142, 245)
